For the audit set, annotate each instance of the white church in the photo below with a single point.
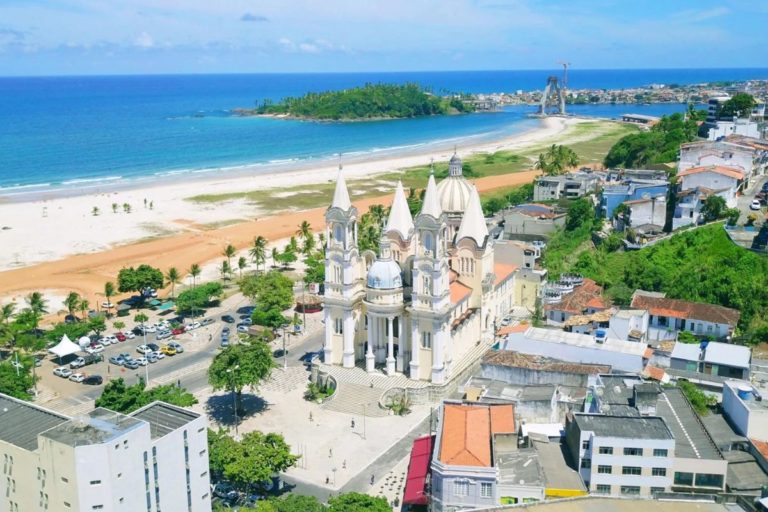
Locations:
(432, 294)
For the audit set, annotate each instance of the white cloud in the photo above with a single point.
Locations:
(308, 48)
(144, 40)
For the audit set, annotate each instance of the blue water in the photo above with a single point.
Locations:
(63, 131)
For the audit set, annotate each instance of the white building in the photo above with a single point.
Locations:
(621, 455)
(154, 459)
(712, 358)
(721, 180)
(629, 325)
(647, 211)
(626, 356)
(728, 154)
(429, 297)
(744, 406)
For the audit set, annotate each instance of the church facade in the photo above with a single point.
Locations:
(432, 294)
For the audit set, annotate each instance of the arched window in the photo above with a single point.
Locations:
(427, 285)
(429, 243)
(338, 233)
(337, 274)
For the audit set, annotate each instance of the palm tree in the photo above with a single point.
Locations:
(229, 252)
(119, 325)
(259, 251)
(173, 277)
(6, 312)
(194, 271)
(83, 307)
(241, 264)
(37, 303)
(225, 269)
(293, 244)
(308, 246)
(140, 319)
(95, 211)
(114, 207)
(275, 256)
(305, 230)
(72, 303)
(321, 238)
(109, 291)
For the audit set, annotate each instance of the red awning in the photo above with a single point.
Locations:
(418, 468)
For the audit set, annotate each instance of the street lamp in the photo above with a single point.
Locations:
(231, 371)
(285, 353)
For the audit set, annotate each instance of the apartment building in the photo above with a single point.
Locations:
(154, 459)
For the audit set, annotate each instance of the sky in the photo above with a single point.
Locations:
(75, 37)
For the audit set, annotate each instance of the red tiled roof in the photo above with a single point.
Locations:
(761, 447)
(467, 432)
(502, 271)
(648, 353)
(654, 372)
(459, 292)
(731, 172)
(509, 329)
(662, 306)
(418, 468)
(580, 299)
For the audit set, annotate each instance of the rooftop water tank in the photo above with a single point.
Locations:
(744, 391)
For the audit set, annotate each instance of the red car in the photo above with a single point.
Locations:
(120, 336)
(177, 331)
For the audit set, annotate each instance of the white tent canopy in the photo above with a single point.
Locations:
(65, 347)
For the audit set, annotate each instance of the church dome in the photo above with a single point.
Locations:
(454, 192)
(385, 275)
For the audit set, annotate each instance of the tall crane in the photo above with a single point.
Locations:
(565, 73)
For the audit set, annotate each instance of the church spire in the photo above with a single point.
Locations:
(431, 204)
(473, 224)
(400, 219)
(341, 194)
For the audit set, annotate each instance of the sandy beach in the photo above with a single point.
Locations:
(57, 244)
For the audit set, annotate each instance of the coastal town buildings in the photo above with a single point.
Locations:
(153, 459)
(712, 358)
(533, 221)
(630, 189)
(745, 408)
(432, 293)
(571, 185)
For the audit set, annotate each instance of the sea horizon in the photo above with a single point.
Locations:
(77, 131)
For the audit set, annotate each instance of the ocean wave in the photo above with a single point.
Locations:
(91, 180)
(18, 186)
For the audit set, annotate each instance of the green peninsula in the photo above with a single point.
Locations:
(369, 102)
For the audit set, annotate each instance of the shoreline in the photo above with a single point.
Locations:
(58, 245)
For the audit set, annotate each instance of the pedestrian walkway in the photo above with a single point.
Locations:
(356, 399)
(286, 380)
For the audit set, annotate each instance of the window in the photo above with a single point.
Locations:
(486, 490)
(630, 490)
(338, 326)
(95, 482)
(585, 445)
(683, 478)
(426, 339)
(65, 479)
(660, 452)
(603, 489)
(125, 444)
(427, 285)
(461, 488)
(708, 480)
(605, 470)
(633, 451)
(97, 507)
(655, 490)
(659, 471)
(605, 450)
(202, 453)
(631, 470)
(67, 505)
(586, 463)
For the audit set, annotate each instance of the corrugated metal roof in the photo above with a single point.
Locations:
(21, 422)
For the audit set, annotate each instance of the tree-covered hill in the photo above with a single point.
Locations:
(660, 144)
(698, 265)
(372, 101)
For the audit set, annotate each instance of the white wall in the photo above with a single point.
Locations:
(617, 360)
(714, 181)
(749, 421)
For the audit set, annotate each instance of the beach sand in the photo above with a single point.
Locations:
(57, 244)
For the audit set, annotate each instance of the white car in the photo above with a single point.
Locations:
(755, 205)
(192, 326)
(143, 349)
(107, 305)
(143, 361)
(95, 349)
(129, 335)
(148, 328)
(62, 371)
(159, 355)
(104, 340)
(77, 377)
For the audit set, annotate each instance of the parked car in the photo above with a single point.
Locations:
(143, 349)
(120, 337)
(765, 187)
(755, 205)
(228, 318)
(177, 331)
(169, 351)
(224, 342)
(206, 321)
(144, 329)
(153, 346)
(93, 380)
(86, 360)
(143, 361)
(107, 305)
(161, 335)
(151, 357)
(225, 330)
(77, 377)
(246, 310)
(159, 355)
(96, 348)
(193, 325)
(131, 364)
(246, 320)
(62, 371)
(118, 360)
(130, 335)
(105, 340)
(242, 328)
(176, 346)
(124, 355)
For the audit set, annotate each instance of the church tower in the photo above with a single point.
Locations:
(430, 297)
(344, 272)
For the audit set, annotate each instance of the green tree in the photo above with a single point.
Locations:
(258, 251)
(195, 272)
(119, 325)
(238, 366)
(84, 306)
(37, 303)
(658, 145)
(251, 462)
(109, 291)
(272, 293)
(297, 503)
(98, 324)
(195, 299)
(95, 211)
(275, 257)
(126, 399)
(172, 277)
(229, 253)
(138, 279)
(714, 208)
(358, 502)
(580, 213)
(556, 160)
(72, 303)
(700, 401)
(242, 263)
(140, 318)
(16, 381)
(740, 105)
(315, 268)
(225, 269)
(288, 256)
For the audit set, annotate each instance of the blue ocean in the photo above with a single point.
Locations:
(78, 131)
